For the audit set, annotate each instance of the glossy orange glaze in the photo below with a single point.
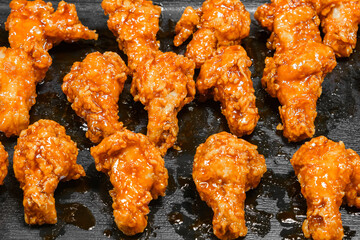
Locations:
(219, 23)
(136, 171)
(164, 85)
(93, 87)
(4, 163)
(295, 73)
(225, 167)
(135, 25)
(36, 28)
(43, 156)
(326, 172)
(227, 77)
(16, 74)
(339, 22)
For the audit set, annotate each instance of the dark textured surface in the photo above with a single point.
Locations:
(275, 210)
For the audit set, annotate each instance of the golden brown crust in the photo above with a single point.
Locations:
(43, 156)
(326, 172)
(93, 87)
(4, 163)
(16, 74)
(221, 23)
(138, 174)
(299, 66)
(227, 77)
(35, 27)
(164, 85)
(135, 25)
(339, 22)
(225, 167)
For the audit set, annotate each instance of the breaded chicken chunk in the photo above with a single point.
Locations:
(225, 167)
(339, 22)
(327, 172)
(164, 85)
(35, 27)
(4, 163)
(44, 155)
(135, 24)
(218, 23)
(226, 77)
(301, 61)
(93, 87)
(137, 172)
(18, 79)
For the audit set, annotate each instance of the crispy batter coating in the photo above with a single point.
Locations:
(219, 23)
(339, 21)
(295, 73)
(137, 173)
(135, 24)
(227, 77)
(225, 167)
(36, 28)
(16, 74)
(4, 163)
(326, 172)
(43, 156)
(93, 87)
(164, 85)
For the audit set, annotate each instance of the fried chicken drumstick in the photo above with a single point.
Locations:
(226, 76)
(218, 23)
(138, 174)
(4, 163)
(225, 167)
(33, 28)
(339, 21)
(301, 61)
(164, 85)
(327, 172)
(44, 155)
(93, 87)
(163, 82)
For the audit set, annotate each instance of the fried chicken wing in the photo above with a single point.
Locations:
(219, 23)
(326, 172)
(16, 75)
(93, 87)
(135, 24)
(43, 156)
(137, 173)
(226, 76)
(164, 85)
(295, 73)
(36, 28)
(339, 21)
(225, 167)
(4, 163)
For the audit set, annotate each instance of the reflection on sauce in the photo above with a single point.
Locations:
(176, 218)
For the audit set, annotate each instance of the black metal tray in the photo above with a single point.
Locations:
(274, 210)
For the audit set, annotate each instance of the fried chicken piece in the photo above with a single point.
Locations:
(295, 73)
(43, 156)
(339, 21)
(4, 163)
(135, 24)
(225, 167)
(36, 28)
(326, 172)
(164, 85)
(219, 23)
(226, 76)
(93, 87)
(16, 75)
(138, 174)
